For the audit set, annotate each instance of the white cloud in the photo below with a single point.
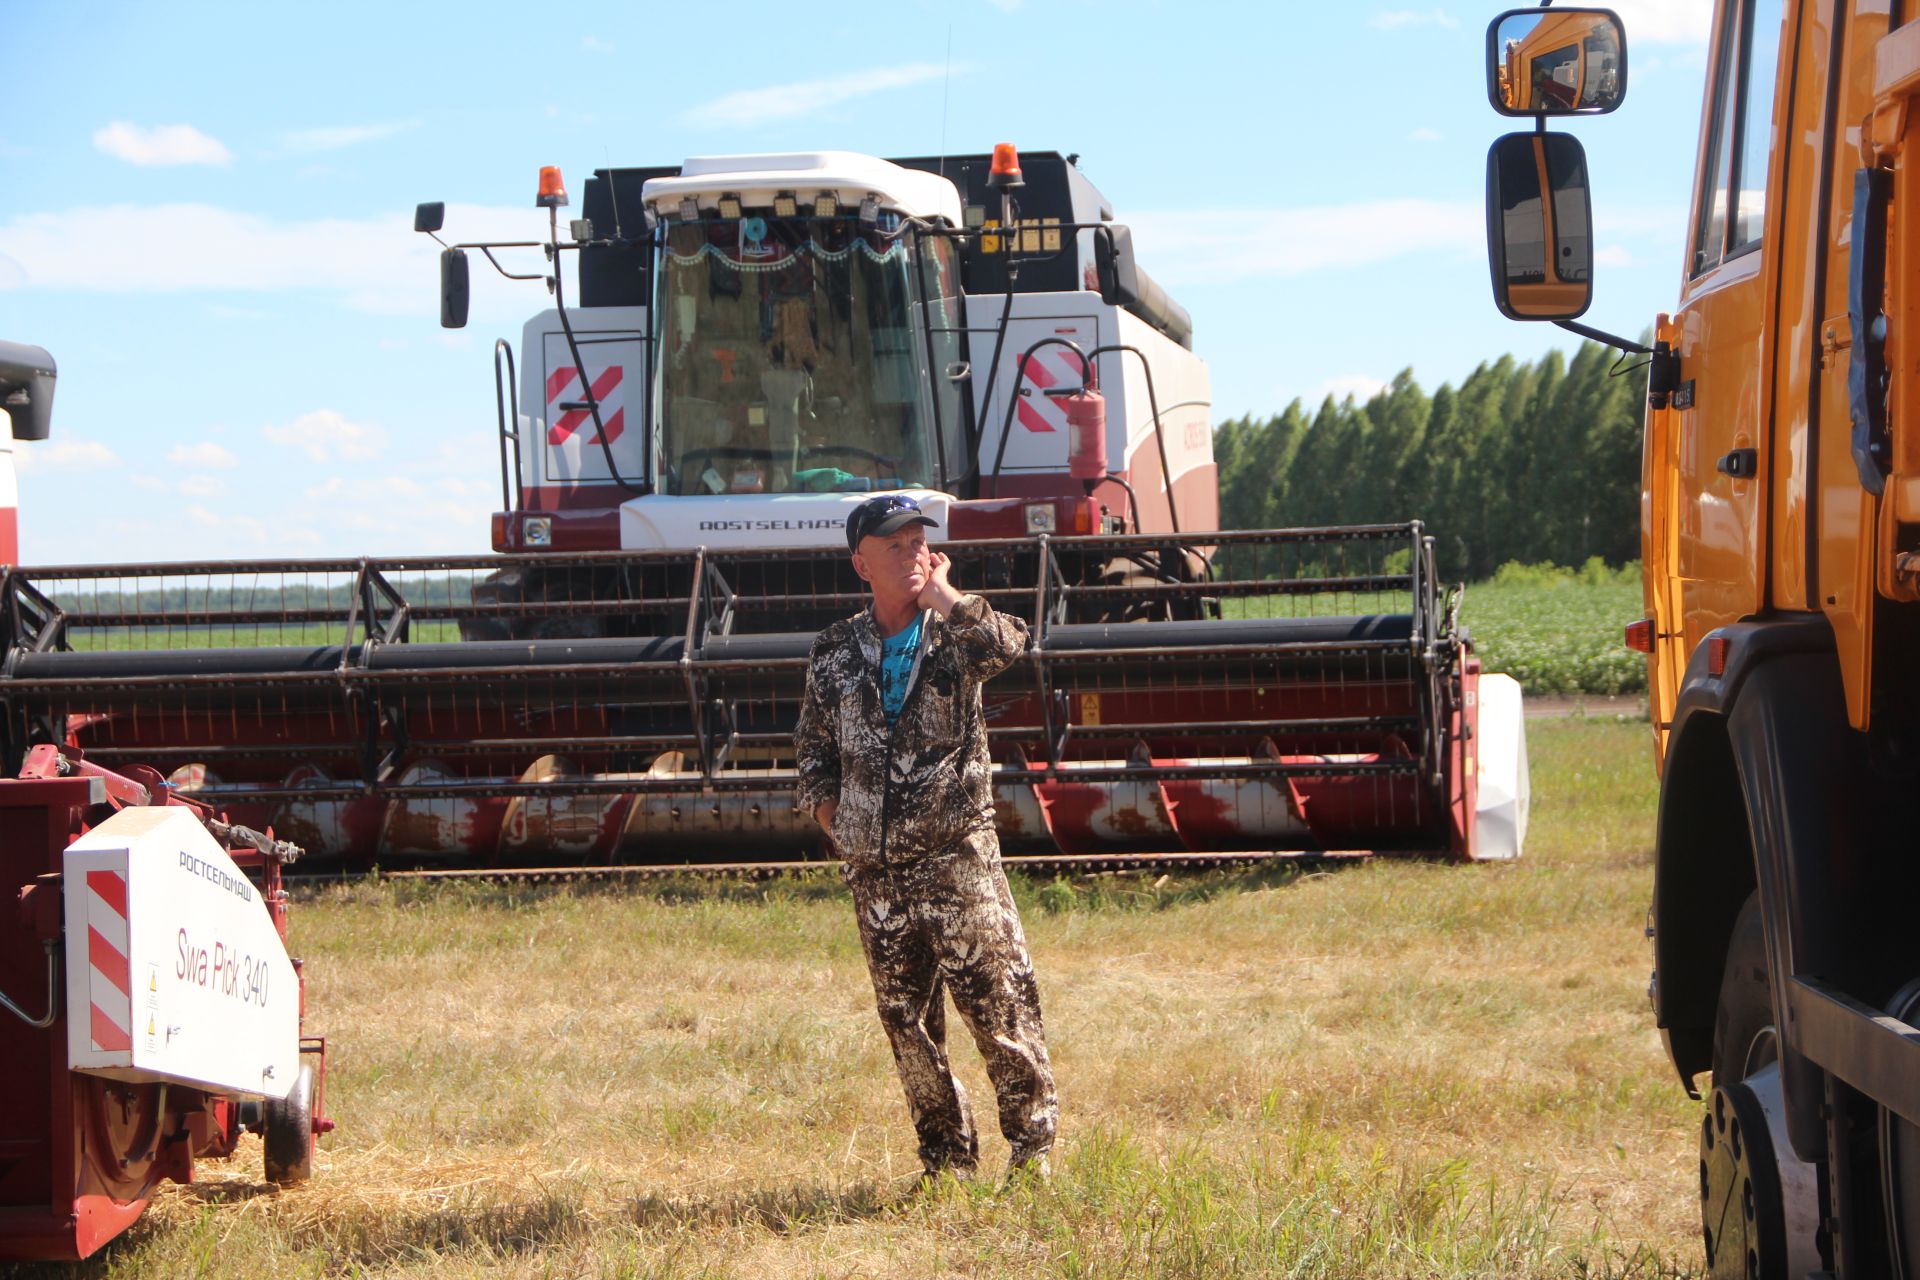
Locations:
(66, 453)
(1393, 19)
(1203, 245)
(12, 274)
(1424, 134)
(338, 136)
(1612, 256)
(324, 435)
(594, 44)
(1664, 21)
(1006, 6)
(374, 264)
(1362, 387)
(204, 454)
(201, 486)
(160, 145)
(782, 101)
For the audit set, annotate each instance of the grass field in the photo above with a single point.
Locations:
(1389, 1069)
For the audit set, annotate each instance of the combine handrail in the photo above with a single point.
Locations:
(506, 402)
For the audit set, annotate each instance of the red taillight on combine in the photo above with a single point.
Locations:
(1718, 647)
(1640, 635)
(553, 191)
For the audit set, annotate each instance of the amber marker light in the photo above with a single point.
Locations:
(1006, 166)
(553, 190)
(1640, 635)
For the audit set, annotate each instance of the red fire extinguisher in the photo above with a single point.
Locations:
(1087, 433)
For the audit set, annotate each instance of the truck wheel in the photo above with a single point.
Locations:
(1743, 1034)
(288, 1131)
(1900, 1160)
(1759, 1203)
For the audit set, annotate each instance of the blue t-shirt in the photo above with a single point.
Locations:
(896, 667)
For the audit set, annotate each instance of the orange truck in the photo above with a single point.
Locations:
(1780, 526)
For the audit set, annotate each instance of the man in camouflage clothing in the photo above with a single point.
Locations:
(892, 752)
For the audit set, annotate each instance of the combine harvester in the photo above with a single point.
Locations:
(151, 1012)
(759, 344)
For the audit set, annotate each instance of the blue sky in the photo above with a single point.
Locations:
(206, 216)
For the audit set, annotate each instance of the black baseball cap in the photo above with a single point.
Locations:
(878, 517)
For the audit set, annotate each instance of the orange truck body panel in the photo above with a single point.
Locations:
(1764, 343)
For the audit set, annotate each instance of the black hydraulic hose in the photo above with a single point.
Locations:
(1153, 405)
(580, 365)
(993, 366)
(1133, 500)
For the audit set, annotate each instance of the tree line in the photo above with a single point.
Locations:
(1523, 461)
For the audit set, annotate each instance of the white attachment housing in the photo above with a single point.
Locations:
(175, 973)
(1500, 818)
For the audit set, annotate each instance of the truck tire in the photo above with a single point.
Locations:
(1759, 1203)
(1743, 1032)
(287, 1132)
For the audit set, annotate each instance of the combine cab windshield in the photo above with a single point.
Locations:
(787, 359)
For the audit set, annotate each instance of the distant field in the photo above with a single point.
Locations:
(1397, 1069)
(1559, 636)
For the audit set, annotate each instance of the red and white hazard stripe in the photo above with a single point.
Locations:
(605, 390)
(1037, 412)
(110, 989)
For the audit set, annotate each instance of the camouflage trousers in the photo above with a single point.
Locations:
(947, 922)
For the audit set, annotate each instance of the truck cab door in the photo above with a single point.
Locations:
(1718, 436)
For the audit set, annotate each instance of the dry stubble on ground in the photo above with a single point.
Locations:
(1376, 1070)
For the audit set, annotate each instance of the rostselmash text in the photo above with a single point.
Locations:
(235, 885)
(775, 526)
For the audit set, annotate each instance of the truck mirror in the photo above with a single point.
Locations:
(453, 289)
(1556, 62)
(1114, 265)
(430, 217)
(1541, 249)
(26, 389)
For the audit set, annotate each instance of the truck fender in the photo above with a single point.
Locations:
(1762, 771)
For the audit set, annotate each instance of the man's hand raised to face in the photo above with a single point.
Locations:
(938, 595)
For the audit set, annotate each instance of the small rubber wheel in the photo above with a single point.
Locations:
(1743, 1030)
(288, 1131)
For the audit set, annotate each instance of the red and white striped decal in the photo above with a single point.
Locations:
(1038, 412)
(613, 416)
(110, 988)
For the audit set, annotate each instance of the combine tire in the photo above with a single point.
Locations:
(1759, 1203)
(288, 1131)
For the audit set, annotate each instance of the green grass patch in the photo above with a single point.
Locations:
(1389, 1068)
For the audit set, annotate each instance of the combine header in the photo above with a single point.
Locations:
(760, 344)
(1314, 696)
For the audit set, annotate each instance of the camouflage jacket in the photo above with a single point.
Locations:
(926, 783)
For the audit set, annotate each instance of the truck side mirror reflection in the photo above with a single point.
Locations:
(453, 289)
(1540, 249)
(1556, 62)
(1114, 264)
